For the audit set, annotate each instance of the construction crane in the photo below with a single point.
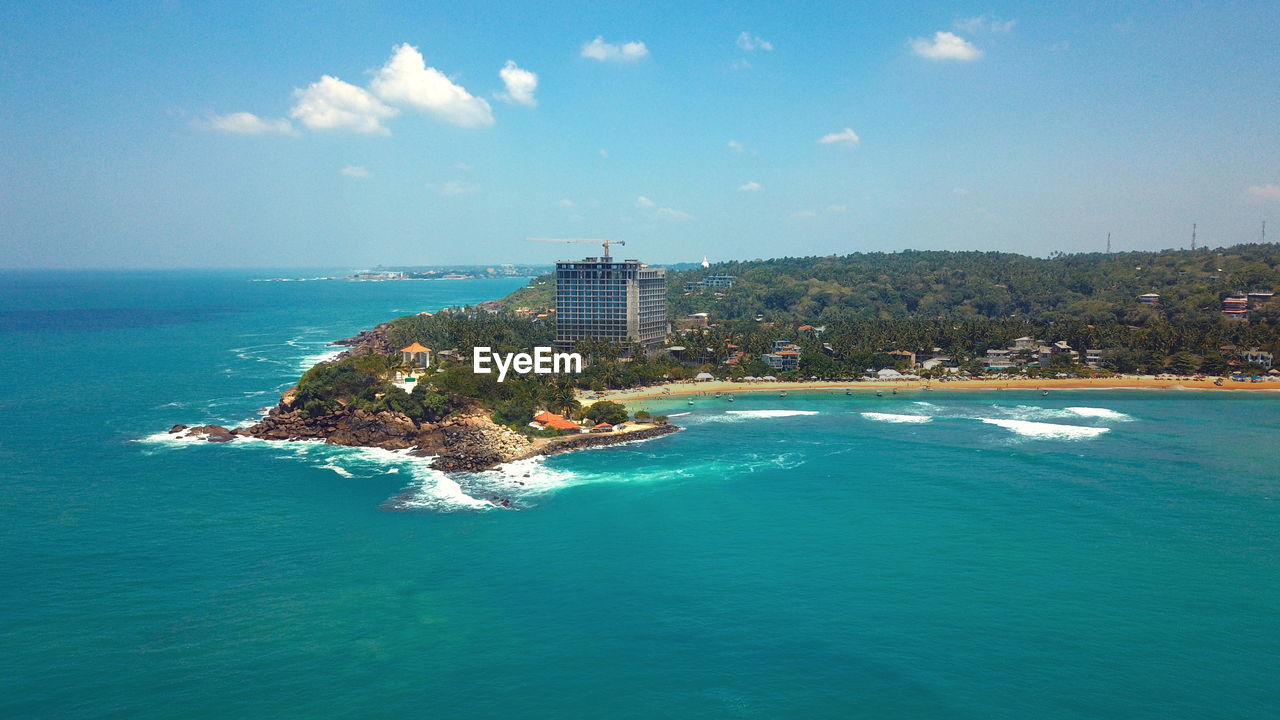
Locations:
(586, 241)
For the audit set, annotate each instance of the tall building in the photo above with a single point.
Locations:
(608, 299)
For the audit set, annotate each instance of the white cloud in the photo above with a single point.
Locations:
(740, 64)
(837, 208)
(674, 214)
(1265, 192)
(565, 203)
(246, 124)
(600, 50)
(520, 84)
(603, 153)
(960, 192)
(644, 202)
(803, 214)
(407, 81)
(845, 137)
(747, 41)
(456, 187)
(984, 23)
(751, 186)
(461, 166)
(331, 104)
(736, 146)
(945, 46)
(356, 171)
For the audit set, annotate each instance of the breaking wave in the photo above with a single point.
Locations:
(1048, 431)
(892, 418)
(1033, 412)
(1102, 413)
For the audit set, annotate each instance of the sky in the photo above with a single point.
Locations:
(178, 134)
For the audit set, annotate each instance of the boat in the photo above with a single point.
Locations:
(717, 394)
(848, 392)
(690, 402)
(895, 391)
(730, 398)
(782, 394)
(1044, 393)
(879, 393)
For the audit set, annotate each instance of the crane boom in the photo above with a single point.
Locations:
(586, 241)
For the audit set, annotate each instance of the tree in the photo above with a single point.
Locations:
(606, 411)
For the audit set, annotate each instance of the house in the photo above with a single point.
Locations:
(785, 355)
(603, 427)
(1256, 355)
(703, 377)
(1149, 299)
(1092, 357)
(998, 359)
(547, 420)
(1260, 297)
(696, 320)
(1236, 307)
(904, 355)
(416, 354)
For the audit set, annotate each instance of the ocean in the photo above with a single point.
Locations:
(944, 554)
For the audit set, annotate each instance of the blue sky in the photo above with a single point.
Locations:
(176, 134)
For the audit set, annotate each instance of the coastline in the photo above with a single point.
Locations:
(1126, 382)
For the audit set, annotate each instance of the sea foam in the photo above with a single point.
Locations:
(892, 418)
(1048, 431)
(1102, 413)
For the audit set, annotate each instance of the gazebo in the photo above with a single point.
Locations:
(416, 354)
(703, 377)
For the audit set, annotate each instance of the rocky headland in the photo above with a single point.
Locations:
(467, 441)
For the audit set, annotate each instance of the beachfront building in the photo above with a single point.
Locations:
(998, 359)
(1092, 356)
(785, 356)
(416, 354)
(547, 420)
(608, 299)
(1257, 356)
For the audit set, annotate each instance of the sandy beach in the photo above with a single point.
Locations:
(1135, 382)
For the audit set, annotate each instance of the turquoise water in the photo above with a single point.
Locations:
(950, 554)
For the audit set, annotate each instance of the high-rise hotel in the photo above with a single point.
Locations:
(608, 299)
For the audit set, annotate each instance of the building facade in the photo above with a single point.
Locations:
(607, 299)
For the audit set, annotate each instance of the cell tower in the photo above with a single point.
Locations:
(1193, 236)
(1108, 243)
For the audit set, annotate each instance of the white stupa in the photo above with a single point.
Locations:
(705, 264)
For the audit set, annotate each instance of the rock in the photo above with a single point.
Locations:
(177, 429)
(212, 433)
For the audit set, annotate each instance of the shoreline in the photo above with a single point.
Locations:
(1127, 382)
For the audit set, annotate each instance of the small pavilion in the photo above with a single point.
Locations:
(416, 354)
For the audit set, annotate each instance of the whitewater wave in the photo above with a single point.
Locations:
(892, 418)
(1103, 413)
(1033, 412)
(1048, 431)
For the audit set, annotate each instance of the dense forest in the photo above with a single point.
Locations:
(1091, 287)
(967, 302)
